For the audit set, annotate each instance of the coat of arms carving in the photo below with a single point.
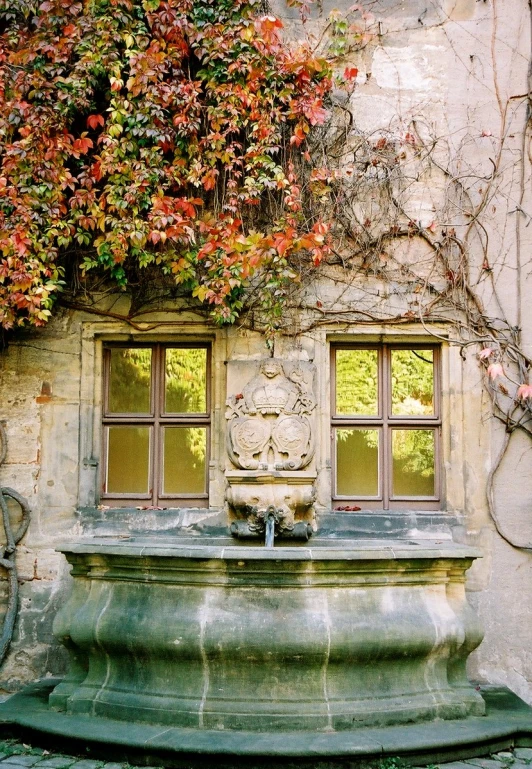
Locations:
(270, 420)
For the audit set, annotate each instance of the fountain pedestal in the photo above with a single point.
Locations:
(189, 648)
(331, 637)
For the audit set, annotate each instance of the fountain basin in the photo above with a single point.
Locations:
(329, 637)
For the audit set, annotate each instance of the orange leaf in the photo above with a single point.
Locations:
(93, 121)
(524, 391)
(209, 180)
(350, 73)
(315, 113)
(82, 145)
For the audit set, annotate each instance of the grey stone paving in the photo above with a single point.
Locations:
(16, 755)
(519, 758)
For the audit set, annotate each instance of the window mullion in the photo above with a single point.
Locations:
(385, 454)
(333, 372)
(158, 400)
(106, 380)
(437, 379)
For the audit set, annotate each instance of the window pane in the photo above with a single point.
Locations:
(412, 382)
(185, 450)
(357, 389)
(128, 457)
(186, 381)
(129, 381)
(357, 463)
(413, 463)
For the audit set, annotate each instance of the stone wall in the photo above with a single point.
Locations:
(458, 67)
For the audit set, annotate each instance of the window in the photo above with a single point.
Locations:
(386, 426)
(156, 425)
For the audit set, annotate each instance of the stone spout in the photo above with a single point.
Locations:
(270, 523)
(251, 493)
(301, 531)
(269, 528)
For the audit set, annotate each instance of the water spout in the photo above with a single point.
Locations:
(269, 530)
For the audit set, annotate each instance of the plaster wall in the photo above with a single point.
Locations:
(457, 69)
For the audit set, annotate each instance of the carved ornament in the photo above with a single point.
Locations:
(269, 422)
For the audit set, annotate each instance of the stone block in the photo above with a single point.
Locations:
(459, 10)
(56, 762)
(454, 765)
(10, 762)
(411, 68)
(45, 564)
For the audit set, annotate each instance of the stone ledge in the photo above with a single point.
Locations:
(223, 548)
(508, 723)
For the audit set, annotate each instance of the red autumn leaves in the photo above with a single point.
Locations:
(154, 134)
(495, 371)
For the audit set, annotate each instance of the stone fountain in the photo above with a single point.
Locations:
(258, 641)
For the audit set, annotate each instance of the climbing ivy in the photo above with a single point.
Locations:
(154, 139)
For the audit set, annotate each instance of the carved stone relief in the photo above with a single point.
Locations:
(269, 422)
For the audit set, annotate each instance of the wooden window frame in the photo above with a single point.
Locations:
(157, 420)
(385, 421)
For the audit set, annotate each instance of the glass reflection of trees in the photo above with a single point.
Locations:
(357, 382)
(413, 462)
(412, 382)
(186, 380)
(412, 394)
(412, 374)
(185, 387)
(129, 381)
(186, 393)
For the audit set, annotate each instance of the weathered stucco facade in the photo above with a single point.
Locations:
(457, 70)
